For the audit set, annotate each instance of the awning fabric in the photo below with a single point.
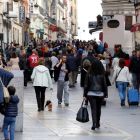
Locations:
(95, 30)
(135, 27)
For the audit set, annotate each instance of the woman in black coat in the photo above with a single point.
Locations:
(95, 90)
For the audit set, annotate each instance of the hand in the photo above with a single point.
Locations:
(105, 99)
(60, 61)
(51, 88)
(85, 98)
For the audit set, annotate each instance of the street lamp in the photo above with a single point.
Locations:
(36, 5)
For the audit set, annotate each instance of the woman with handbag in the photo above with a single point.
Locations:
(95, 90)
(25, 66)
(123, 78)
(41, 80)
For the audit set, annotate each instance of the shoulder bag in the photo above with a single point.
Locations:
(6, 94)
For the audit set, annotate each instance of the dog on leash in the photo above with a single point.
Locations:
(49, 104)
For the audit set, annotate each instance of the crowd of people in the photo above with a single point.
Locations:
(63, 60)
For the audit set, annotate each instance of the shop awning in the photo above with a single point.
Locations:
(135, 27)
(95, 30)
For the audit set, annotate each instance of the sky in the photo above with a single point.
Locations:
(88, 11)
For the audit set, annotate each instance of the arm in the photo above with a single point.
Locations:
(33, 74)
(49, 80)
(131, 65)
(114, 75)
(128, 77)
(86, 86)
(105, 87)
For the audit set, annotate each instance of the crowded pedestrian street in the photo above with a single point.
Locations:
(117, 123)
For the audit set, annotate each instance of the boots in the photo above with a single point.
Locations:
(98, 124)
(94, 126)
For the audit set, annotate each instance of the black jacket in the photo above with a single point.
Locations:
(84, 72)
(57, 72)
(24, 64)
(95, 83)
(135, 65)
(73, 63)
(91, 58)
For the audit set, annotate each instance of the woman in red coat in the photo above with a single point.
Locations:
(127, 60)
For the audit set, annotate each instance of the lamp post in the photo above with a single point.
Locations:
(134, 7)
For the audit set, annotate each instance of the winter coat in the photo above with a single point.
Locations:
(73, 63)
(41, 77)
(11, 108)
(135, 65)
(6, 76)
(14, 63)
(95, 83)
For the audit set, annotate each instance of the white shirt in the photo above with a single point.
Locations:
(104, 64)
(123, 75)
(115, 62)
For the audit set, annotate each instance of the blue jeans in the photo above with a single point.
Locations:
(9, 121)
(122, 90)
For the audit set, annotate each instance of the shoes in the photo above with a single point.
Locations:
(70, 86)
(7, 139)
(75, 81)
(98, 125)
(39, 110)
(42, 109)
(73, 86)
(122, 102)
(94, 126)
(59, 103)
(66, 104)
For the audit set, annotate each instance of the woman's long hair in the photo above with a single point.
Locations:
(96, 68)
(122, 63)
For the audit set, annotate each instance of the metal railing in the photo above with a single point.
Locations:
(61, 4)
(51, 20)
(61, 25)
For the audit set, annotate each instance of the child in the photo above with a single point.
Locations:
(11, 111)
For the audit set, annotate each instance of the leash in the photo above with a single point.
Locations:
(51, 94)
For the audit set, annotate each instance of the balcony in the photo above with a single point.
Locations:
(61, 25)
(42, 11)
(52, 21)
(61, 4)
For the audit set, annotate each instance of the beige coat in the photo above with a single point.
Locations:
(14, 63)
(107, 57)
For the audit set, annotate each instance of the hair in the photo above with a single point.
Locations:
(68, 51)
(86, 63)
(29, 50)
(33, 51)
(118, 55)
(60, 52)
(126, 56)
(96, 68)
(122, 63)
(21, 48)
(41, 61)
(14, 55)
(100, 56)
(24, 55)
(90, 53)
(134, 51)
(74, 50)
(11, 90)
(53, 53)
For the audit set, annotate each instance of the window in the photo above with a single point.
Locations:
(13, 34)
(71, 11)
(17, 36)
(113, 24)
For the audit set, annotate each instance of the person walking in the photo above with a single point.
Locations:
(134, 68)
(123, 78)
(134, 52)
(61, 77)
(41, 80)
(55, 61)
(115, 61)
(48, 62)
(14, 62)
(106, 56)
(73, 64)
(25, 66)
(11, 111)
(95, 90)
(127, 60)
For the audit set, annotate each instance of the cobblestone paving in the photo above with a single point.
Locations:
(117, 123)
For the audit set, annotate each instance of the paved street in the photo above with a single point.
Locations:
(117, 123)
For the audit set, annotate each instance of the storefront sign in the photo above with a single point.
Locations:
(128, 22)
(92, 24)
(54, 28)
(42, 31)
(22, 14)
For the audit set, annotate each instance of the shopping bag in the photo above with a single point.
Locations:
(82, 115)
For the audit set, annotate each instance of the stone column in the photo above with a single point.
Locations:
(17, 82)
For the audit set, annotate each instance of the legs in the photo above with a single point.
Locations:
(72, 77)
(42, 97)
(25, 77)
(60, 91)
(66, 94)
(136, 80)
(9, 121)
(37, 91)
(51, 73)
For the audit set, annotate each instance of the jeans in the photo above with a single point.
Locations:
(95, 103)
(9, 121)
(26, 74)
(122, 90)
(72, 77)
(136, 80)
(31, 70)
(40, 96)
(62, 85)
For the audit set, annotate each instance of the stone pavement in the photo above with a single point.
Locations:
(117, 123)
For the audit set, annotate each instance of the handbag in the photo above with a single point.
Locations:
(82, 115)
(6, 94)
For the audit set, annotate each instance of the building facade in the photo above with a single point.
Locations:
(117, 12)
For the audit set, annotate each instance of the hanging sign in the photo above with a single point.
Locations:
(22, 14)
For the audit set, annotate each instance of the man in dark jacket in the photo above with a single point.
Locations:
(90, 57)
(134, 68)
(73, 64)
(61, 77)
(11, 111)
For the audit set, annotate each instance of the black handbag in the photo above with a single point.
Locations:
(2, 108)
(82, 115)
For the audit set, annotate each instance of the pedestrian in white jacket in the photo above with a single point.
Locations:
(115, 61)
(123, 78)
(41, 80)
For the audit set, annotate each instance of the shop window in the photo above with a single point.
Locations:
(113, 24)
